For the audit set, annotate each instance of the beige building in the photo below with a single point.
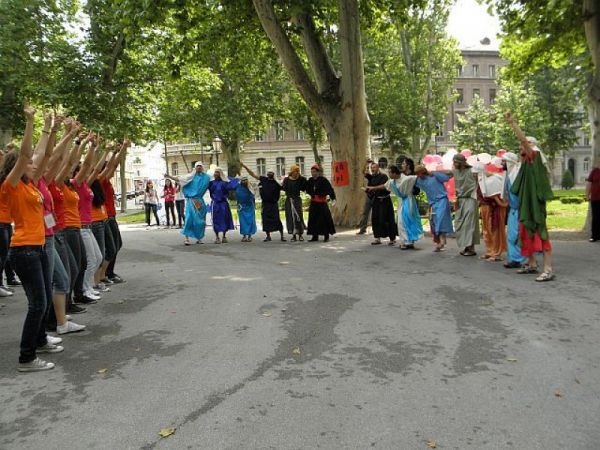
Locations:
(277, 149)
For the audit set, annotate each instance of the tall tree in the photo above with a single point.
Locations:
(475, 128)
(410, 64)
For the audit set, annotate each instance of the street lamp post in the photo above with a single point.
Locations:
(216, 148)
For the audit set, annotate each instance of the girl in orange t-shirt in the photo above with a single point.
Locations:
(27, 251)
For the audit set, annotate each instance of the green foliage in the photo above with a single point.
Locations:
(475, 129)
(410, 67)
(567, 182)
(572, 200)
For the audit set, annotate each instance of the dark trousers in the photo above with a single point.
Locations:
(364, 220)
(170, 207)
(5, 237)
(73, 239)
(98, 232)
(180, 206)
(116, 235)
(151, 207)
(595, 205)
(31, 265)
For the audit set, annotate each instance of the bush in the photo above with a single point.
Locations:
(572, 200)
(567, 180)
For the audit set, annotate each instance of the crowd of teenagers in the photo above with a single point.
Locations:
(506, 204)
(60, 237)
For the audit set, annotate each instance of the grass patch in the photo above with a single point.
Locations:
(136, 217)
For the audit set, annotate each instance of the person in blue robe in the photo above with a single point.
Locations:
(246, 209)
(219, 189)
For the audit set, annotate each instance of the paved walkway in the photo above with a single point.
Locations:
(339, 345)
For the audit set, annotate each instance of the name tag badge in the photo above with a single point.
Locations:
(103, 209)
(49, 219)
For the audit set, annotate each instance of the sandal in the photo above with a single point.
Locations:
(224, 241)
(469, 253)
(545, 276)
(392, 243)
(403, 247)
(481, 257)
(293, 239)
(301, 238)
(376, 243)
(526, 270)
(187, 243)
(217, 241)
(268, 239)
(244, 239)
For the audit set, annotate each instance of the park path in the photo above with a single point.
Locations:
(339, 345)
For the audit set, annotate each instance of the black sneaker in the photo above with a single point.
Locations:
(106, 281)
(85, 300)
(14, 282)
(74, 309)
(116, 279)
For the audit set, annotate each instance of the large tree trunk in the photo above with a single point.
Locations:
(231, 150)
(343, 113)
(350, 135)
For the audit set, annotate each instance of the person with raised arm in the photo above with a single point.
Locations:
(27, 251)
(270, 191)
(532, 186)
(194, 186)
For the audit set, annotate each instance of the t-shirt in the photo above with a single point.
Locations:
(4, 209)
(109, 195)
(151, 196)
(594, 178)
(26, 207)
(98, 214)
(59, 205)
(72, 218)
(85, 201)
(49, 218)
(169, 194)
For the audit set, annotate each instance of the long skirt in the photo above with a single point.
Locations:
(270, 217)
(440, 218)
(410, 228)
(514, 247)
(382, 218)
(320, 221)
(247, 215)
(466, 222)
(494, 232)
(195, 218)
(293, 215)
(221, 217)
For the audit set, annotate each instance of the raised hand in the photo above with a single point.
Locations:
(58, 121)
(47, 120)
(29, 111)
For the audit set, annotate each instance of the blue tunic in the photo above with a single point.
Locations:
(514, 249)
(409, 220)
(221, 212)
(437, 196)
(246, 210)
(195, 208)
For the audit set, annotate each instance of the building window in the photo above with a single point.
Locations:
(459, 71)
(586, 165)
(460, 97)
(475, 70)
(383, 163)
(261, 167)
(476, 93)
(279, 131)
(492, 70)
(259, 136)
(439, 130)
(280, 167)
(586, 140)
(492, 96)
(175, 169)
(300, 163)
(299, 134)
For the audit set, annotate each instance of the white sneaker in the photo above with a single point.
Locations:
(50, 348)
(69, 327)
(101, 287)
(35, 366)
(92, 295)
(53, 340)
(5, 292)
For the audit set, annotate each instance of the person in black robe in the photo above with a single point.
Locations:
(293, 185)
(269, 190)
(382, 215)
(320, 221)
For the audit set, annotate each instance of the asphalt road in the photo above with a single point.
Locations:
(302, 346)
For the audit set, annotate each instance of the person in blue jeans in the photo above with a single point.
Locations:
(27, 253)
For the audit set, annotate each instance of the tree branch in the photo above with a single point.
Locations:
(287, 54)
(320, 63)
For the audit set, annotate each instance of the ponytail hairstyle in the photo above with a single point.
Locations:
(99, 197)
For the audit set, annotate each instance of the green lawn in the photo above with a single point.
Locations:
(560, 216)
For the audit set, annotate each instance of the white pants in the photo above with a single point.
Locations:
(94, 258)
